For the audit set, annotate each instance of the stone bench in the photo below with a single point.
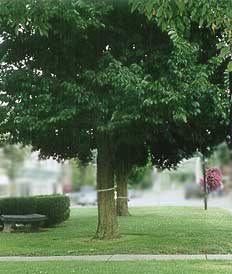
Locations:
(34, 220)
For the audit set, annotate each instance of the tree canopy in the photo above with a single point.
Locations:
(188, 16)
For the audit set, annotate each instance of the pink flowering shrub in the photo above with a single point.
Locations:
(213, 179)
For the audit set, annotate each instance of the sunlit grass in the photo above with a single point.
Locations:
(150, 230)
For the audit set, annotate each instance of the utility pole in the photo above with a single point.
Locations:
(205, 183)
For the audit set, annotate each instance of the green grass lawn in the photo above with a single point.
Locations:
(152, 267)
(151, 230)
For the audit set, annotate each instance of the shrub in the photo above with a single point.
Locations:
(55, 207)
(17, 206)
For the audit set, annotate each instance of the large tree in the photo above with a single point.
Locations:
(72, 78)
(79, 75)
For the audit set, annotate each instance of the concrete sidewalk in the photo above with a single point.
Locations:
(119, 257)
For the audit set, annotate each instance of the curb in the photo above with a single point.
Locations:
(118, 257)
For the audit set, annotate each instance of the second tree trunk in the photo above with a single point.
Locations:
(122, 190)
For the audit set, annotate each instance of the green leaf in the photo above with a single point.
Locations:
(229, 66)
(181, 5)
(224, 52)
(159, 12)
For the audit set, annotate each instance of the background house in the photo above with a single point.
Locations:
(33, 177)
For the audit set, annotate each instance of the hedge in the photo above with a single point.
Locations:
(55, 207)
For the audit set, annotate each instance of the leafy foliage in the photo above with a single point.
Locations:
(193, 101)
(58, 95)
(66, 79)
(185, 15)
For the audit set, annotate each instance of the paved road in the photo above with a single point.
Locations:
(175, 197)
(124, 257)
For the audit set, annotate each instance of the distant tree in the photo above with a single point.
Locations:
(82, 174)
(141, 176)
(12, 161)
(221, 156)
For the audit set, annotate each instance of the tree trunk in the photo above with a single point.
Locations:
(122, 191)
(107, 218)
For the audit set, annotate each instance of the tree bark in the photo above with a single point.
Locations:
(122, 190)
(107, 218)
